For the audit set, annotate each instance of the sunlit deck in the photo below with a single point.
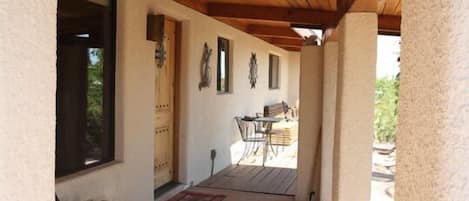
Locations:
(271, 180)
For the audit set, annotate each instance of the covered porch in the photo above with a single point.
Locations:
(182, 129)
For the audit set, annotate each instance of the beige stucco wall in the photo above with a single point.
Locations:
(206, 118)
(311, 78)
(294, 78)
(355, 107)
(331, 54)
(27, 105)
(433, 129)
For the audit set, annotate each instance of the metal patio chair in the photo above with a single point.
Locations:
(250, 137)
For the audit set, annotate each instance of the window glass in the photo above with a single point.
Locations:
(274, 71)
(223, 66)
(85, 84)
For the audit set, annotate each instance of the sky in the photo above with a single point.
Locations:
(388, 52)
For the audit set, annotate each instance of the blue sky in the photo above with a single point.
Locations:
(388, 52)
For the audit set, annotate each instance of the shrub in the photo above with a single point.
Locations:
(386, 104)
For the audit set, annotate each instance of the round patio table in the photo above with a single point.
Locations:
(268, 121)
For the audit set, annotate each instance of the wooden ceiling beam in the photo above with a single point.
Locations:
(297, 17)
(197, 5)
(286, 45)
(389, 25)
(343, 6)
(294, 49)
(283, 41)
(273, 32)
(290, 15)
(235, 24)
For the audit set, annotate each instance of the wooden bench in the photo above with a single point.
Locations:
(275, 110)
(289, 129)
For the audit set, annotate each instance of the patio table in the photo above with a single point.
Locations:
(268, 121)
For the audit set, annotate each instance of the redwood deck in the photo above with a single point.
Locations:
(271, 180)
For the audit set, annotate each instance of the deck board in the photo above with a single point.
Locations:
(281, 181)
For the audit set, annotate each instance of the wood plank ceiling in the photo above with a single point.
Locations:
(273, 20)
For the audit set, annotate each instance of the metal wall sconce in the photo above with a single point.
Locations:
(155, 32)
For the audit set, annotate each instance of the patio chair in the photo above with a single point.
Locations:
(288, 109)
(250, 137)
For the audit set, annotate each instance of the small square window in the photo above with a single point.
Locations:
(274, 71)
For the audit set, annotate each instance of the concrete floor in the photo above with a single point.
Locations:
(382, 182)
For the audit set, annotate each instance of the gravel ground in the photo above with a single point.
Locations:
(382, 182)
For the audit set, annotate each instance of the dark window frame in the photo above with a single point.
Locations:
(272, 84)
(224, 45)
(108, 96)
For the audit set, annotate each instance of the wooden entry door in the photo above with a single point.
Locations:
(164, 105)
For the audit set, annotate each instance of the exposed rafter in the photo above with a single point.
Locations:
(294, 49)
(290, 15)
(274, 24)
(197, 5)
(343, 6)
(273, 32)
(283, 41)
(389, 24)
(304, 17)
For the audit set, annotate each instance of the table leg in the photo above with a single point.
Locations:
(266, 148)
(271, 145)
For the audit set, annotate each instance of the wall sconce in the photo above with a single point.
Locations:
(155, 32)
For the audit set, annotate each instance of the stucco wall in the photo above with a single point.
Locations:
(294, 78)
(331, 54)
(311, 79)
(355, 107)
(206, 118)
(27, 105)
(433, 130)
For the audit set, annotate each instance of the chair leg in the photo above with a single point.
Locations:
(266, 149)
(271, 145)
(257, 148)
(244, 153)
(251, 149)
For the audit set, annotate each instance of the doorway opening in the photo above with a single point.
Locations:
(385, 123)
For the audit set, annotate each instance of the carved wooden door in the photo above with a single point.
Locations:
(164, 110)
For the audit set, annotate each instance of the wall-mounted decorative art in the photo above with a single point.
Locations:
(205, 77)
(253, 70)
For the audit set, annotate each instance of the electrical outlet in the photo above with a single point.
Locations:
(213, 154)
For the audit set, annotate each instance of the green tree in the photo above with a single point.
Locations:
(95, 115)
(386, 104)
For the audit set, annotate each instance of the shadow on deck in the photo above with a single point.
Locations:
(258, 179)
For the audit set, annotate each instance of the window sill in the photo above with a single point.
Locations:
(224, 93)
(87, 171)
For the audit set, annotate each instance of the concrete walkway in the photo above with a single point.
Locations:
(382, 182)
